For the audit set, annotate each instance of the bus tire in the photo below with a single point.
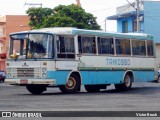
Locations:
(36, 89)
(92, 88)
(126, 85)
(72, 85)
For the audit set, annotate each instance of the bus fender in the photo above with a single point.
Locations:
(128, 72)
(75, 72)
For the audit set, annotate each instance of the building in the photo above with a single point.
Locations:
(9, 24)
(149, 21)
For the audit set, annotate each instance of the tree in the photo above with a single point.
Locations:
(62, 16)
(38, 15)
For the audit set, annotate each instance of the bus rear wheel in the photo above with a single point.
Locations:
(92, 88)
(72, 85)
(36, 89)
(126, 85)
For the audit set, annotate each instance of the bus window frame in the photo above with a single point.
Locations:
(146, 55)
(95, 46)
(58, 53)
(28, 42)
(124, 55)
(152, 48)
(113, 45)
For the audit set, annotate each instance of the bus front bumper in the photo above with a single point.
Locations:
(30, 81)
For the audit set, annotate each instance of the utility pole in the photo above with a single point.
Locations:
(78, 3)
(137, 10)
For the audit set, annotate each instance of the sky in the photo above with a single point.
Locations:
(99, 8)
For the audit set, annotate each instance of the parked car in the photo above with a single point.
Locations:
(2, 76)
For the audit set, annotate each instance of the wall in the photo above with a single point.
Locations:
(16, 23)
(152, 19)
(119, 24)
(157, 60)
(11, 23)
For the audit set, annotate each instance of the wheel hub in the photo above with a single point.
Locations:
(71, 83)
(127, 81)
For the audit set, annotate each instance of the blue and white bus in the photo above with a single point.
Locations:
(68, 58)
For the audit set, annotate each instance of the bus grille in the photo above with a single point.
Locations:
(25, 72)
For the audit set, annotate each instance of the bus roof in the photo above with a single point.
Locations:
(74, 31)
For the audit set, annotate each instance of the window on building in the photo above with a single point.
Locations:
(150, 48)
(135, 25)
(123, 47)
(86, 45)
(105, 46)
(65, 47)
(125, 26)
(139, 47)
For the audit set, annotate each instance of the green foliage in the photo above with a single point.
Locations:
(38, 15)
(62, 16)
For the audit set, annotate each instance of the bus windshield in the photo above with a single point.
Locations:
(31, 46)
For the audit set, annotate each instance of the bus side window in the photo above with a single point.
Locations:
(150, 48)
(66, 47)
(139, 47)
(94, 45)
(79, 45)
(88, 45)
(62, 45)
(123, 47)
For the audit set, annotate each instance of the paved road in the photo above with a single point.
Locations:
(143, 96)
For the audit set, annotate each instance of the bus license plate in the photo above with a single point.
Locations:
(23, 81)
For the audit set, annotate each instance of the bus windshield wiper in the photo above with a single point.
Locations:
(34, 57)
(19, 56)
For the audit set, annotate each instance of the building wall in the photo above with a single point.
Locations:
(120, 21)
(16, 23)
(152, 19)
(130, 24)
(9, 24)
(157, 60)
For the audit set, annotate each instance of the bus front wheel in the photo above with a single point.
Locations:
(72, 85)
(126, 85)
(36, 89)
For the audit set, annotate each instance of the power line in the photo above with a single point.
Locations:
(131, 4)
(137, 8)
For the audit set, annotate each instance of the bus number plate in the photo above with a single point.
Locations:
(23, 81)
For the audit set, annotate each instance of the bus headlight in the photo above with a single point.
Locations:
(44, 70)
